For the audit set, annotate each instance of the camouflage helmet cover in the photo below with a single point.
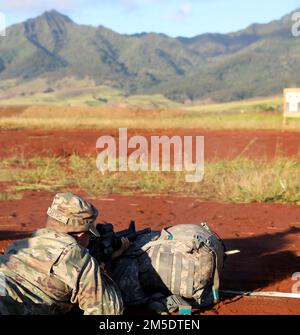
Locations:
(72, 214)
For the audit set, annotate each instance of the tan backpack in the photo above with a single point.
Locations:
(189, 260)
(186, 260)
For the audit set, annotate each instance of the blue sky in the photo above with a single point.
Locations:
(172, 17)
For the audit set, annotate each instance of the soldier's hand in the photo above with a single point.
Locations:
(125, 245)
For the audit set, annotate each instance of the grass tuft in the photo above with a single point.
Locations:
(237, 180)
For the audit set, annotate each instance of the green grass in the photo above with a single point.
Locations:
(237, 180)
(245, 180)
(9, 196)
(268, 104)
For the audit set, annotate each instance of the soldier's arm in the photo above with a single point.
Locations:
(92, 290)
(97, 293)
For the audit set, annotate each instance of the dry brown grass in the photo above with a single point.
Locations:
(62, 117)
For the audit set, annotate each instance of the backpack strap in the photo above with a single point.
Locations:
(165, 267)
(198, 241)
(190, 279)
(177, 273)
(216, 282)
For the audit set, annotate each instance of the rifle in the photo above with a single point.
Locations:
(102, 247)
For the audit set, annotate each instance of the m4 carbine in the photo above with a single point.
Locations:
(102, 247)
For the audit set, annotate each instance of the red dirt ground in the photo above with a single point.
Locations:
(267, 235)
(218, 144)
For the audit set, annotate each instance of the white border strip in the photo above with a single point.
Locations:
(263, 294)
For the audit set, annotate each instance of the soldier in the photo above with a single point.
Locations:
(52, 271)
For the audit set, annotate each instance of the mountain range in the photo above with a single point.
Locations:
(258, 61)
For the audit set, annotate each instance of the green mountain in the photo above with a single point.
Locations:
(257, 61)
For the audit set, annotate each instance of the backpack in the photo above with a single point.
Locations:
(186, 260)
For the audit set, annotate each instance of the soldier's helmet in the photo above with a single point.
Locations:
(72, 214)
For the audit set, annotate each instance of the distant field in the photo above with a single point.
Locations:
(73, 92)
(270, 104)
(249, 114)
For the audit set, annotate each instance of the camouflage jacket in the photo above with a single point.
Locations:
(49, 273)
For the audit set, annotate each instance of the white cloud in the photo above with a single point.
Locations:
(184, 11)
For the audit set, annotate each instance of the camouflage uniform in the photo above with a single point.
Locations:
(50, 272)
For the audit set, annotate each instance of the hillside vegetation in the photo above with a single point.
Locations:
(37, 55)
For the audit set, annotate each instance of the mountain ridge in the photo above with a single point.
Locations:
(258, 60)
